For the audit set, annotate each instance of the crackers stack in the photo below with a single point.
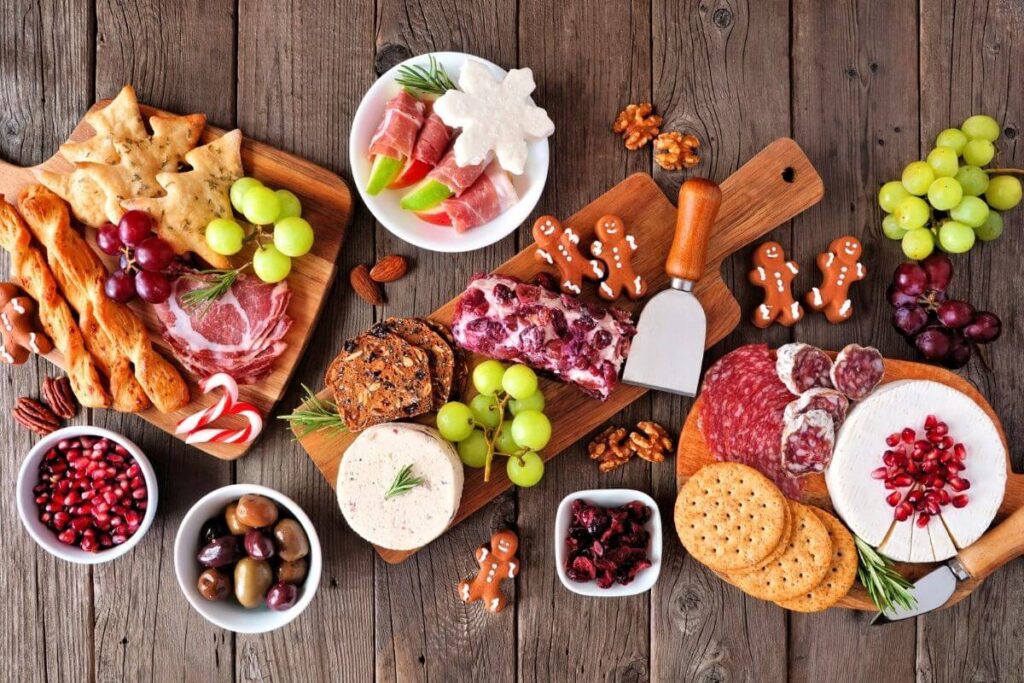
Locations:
(737, 522)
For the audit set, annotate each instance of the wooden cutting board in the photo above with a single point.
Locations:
(326, 204)
(692, 454)
(771, 188)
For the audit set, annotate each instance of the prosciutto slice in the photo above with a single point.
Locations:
(241, 333)
(489, 196)
(396, 135)
(433, 141)
(457, 178)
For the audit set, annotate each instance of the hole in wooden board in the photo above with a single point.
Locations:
(788, 174)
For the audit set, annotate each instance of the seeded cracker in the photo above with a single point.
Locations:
(730, 516)
(841, 574)
(460, 375)
(442, 359)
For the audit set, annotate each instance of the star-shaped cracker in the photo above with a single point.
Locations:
(196, 197)
(119, 120)
(495, 116)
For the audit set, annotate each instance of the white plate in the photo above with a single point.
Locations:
(609, 498)
(404, 224)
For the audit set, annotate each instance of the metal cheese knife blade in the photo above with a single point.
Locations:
(668, 349)
(997, 547)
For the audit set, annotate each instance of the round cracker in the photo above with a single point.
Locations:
(840, 576)
(781, 548)
(730, 516)
(802, 567)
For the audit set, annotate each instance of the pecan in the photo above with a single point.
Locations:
(57, 393)
(674, 151)
(650, 441)
(32, 414)
(610, 448)
(637, 125)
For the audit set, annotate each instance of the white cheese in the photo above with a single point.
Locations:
(942, 544)
(899, 542)
(368, 468)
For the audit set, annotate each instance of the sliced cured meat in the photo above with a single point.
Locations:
(457, 178)
(857, 371)
(807, 443)
(802, 367)
(432, 141)
(440, 355)
(831, 401)
(396, 134)
(488, 198)
(581, 343)
(742, 412)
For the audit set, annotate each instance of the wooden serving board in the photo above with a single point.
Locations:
(326, 204)
(692, 454)
(771, 188)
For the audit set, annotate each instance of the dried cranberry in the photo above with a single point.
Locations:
(504, 294)
(582, 569)
(543, 280)
(559, 324)
(602, 338)
(607, 545)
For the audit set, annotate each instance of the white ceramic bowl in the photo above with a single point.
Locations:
(608, 498)
(405, 225)
(28, 477)
(228, 613)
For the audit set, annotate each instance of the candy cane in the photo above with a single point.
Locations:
(227, 405)
(247, 433)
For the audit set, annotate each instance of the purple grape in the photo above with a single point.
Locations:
(909, 319)
(108, 240)
(959, 353)
(134, 227)
(899, 298)
(940, 271)
(152, 287)
(984, 328)
(125, 263)
(955, 314)
(933, 343)
(154, 254)
(120, 286)
(910, 278)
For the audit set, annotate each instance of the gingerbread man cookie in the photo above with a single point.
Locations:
(21, 334)
(774, 274)
(497, 562)
(840, 268)
(615, 248)
(558, 246)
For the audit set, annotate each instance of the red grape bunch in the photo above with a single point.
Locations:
(941, 329)
(143, 258)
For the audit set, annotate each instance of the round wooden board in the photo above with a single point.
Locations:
(693, 453)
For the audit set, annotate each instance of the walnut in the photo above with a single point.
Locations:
(610, 448)
(674, 151)
(651, 442)
(637, 125)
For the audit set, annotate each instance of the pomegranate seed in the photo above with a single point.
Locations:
(943, 497)
(42, 498)
(61, 520)
(889, 485)
(45, 517)
(893, 498)
(106, 541)
(68, 536)
(946, 443)
(959, 451)
(903, 480)
(914, 496)
(81, 523)
(914, 468)
(941, 429)
(132, 518)
(959, 484)
(879, 473)
(930, 422)
(892, 439)
(960, 501)
(63, 445)
(89, 545)
(908, 435)
(141, 505)
(86, 441)
(922, 520)
(118, 539)
(919, 506)
(903, 511)
(932, 507)
(929, 466)
(134, 470)
(139, 494)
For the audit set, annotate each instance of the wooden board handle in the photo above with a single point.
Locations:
(699, 201)
(996, 548)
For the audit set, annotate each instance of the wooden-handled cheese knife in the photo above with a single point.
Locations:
(668, 349)
(988, 553)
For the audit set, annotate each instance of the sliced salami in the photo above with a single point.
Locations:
(807, 443)
(831, 401)
(802, 367)
(857, 371)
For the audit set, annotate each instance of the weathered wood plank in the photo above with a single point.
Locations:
(45, 84)
(174, 56)
(716, 89)
(423, 630)
(974, 46)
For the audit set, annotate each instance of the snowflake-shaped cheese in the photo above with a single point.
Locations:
(494, 116)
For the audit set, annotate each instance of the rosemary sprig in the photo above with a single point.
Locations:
(207, 295)
(403, 483)
(433, 79)
(886, 587)
(314, 414)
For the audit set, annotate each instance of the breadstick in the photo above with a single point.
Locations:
(83, 273)
(29, 268)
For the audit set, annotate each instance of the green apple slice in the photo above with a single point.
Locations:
(426, 195)
(382, 172)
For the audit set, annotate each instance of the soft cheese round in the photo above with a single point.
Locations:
(414, 518)
(860, 500)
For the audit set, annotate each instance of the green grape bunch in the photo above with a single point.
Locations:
(951, 199)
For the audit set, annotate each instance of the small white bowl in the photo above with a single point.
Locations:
(228, 613)
(609, 498)
(28, 477)
(404, 224)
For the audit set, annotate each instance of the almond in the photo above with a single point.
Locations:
(389, 268)
(368, 290)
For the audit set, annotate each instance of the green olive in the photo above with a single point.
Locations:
(252, 579)
(292, 543)
(234, 524)
(293, 572)
(256, 511)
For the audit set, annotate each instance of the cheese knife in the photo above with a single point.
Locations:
(999, 546)
(668, 349)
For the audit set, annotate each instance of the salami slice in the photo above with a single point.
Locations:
(807, 443)
(831, 401)
(857, 371)
(802, 367)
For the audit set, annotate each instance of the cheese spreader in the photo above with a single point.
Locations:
(988, 553)
(668, 349)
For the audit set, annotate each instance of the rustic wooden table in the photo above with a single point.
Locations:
(863, 86)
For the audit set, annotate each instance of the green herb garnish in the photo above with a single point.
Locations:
(403, 483)
(207, 295)
(433, 79)
(315, 414)
(886, 587)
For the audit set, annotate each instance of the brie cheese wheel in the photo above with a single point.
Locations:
(411, 519)
(860, 500)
